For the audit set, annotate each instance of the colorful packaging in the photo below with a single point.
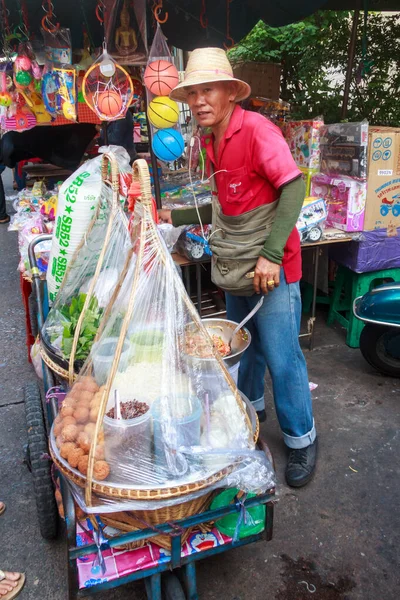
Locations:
(383, 199)
(303, 138)
(345, 199)
(344, 149)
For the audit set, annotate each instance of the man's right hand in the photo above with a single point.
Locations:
(165, 215)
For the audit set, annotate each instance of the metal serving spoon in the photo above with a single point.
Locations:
(247, 318)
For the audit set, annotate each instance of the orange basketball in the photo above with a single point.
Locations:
(160, 77)
(109, 103)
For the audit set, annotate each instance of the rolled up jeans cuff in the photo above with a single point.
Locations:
(259, 404)
(300, 442)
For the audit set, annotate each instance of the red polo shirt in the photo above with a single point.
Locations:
(253, 162)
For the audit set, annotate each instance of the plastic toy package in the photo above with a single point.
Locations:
(303, 138)
(345, 199)
(126, 31)
(311, 221)
(59, 91)
(77, 202)
(88, 285)
(58, 46)
(344, 149)
(193, 242)
(154, 419)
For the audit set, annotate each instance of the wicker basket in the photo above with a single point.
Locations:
(263, 78)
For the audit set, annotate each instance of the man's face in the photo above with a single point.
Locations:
(211, 103)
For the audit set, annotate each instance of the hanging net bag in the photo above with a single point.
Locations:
(154, 425)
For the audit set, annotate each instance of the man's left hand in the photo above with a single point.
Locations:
(266, 276)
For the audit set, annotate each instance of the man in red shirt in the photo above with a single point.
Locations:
(256, 247)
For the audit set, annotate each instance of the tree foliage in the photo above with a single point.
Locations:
(314, 55)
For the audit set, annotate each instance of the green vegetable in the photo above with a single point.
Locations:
(90, 324)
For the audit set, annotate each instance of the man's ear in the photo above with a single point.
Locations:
(233, 91)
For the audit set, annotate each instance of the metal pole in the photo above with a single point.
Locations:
(350, 62)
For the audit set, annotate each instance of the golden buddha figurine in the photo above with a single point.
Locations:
(125, 36)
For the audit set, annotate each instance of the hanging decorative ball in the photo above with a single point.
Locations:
(5, 99)
(23, 63)
(168, 144)
(23, 78)
(110, 103)
(160, 77)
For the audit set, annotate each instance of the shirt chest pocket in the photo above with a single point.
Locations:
(238, 185)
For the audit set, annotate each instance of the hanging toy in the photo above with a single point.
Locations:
(168, 144)
(163, 112)
(5, 96)
(160, 77)
(107, 88)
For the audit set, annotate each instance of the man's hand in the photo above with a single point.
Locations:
(266, 276)
(165, 215)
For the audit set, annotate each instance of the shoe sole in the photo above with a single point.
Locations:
(303, 481)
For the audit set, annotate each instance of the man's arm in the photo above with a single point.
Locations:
(187, 216)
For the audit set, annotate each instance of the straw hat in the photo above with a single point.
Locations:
(206, 65)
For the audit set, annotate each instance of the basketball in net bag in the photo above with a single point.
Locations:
(160, 77)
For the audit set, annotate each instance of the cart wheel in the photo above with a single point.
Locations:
(40, 463)
(172, 588)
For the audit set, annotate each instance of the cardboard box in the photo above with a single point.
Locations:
(345, 199)
(303, 138)
(263, 78)
(383, 199)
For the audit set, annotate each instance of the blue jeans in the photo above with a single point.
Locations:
(275, 344)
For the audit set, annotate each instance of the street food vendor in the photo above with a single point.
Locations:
(258, 192)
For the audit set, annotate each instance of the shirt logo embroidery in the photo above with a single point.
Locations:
(234, 186)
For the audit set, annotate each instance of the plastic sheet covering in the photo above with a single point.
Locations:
(93, 276)
(154, 418)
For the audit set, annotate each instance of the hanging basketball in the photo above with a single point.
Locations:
(109, 103)
(160, 77)
(163, 112)
(168, 144)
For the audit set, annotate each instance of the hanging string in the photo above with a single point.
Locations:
(203, 18)
(228, 27)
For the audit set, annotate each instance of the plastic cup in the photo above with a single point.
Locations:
(127, 445)
(103, 356)
(172, 433)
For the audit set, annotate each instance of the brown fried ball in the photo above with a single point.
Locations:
(84, 442)
(94, 413)
(68, 421)
(86, 396)
(89, 384)
(83, 464)
(100, 437)
(99, 453)
(66, 449)
(57, 428)
(69, 433)
(81, 414)
(74, 456)
(66, 410)
(101, 470)
(89, 428)
(59, 441)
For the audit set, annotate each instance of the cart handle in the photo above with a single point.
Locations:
(45, 237)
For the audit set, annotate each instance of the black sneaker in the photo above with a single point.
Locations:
(262, 416)
(301, 465)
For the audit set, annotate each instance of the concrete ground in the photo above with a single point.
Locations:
(338, 538)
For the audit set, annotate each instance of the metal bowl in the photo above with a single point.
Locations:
(224, 328)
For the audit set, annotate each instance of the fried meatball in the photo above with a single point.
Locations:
(84, 441)
(83, 464)
(81, 414)
(89, 384)
(94, 413)
(66, 449)
(74, 456)
(101, 470)
(69, 433)
(67, 410)
(68, 421)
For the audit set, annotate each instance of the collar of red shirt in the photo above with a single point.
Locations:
(235, 124)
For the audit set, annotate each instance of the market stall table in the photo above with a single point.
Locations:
(45, 170)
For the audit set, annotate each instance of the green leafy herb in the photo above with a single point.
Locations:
(90, 324)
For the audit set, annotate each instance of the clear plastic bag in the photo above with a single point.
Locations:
(93, 275)
(126, 31)
(58, 47)
(154, 418)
